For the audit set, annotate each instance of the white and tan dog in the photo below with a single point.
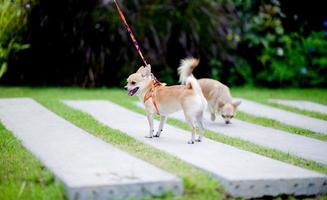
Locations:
(165, 100)
(219, 99)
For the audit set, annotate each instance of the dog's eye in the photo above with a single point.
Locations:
(133, 82)
(223, 116)
(231, 116)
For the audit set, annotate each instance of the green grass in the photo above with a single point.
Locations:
(263, 95)
(198, 184)
(299, 111)
(22, 176)
(278, 125)
(248, 146)
(239, 143)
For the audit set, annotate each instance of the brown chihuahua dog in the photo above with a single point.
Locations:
(219, 99)
(165, 100)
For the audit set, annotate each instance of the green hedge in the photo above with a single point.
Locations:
(238, 41)
(13, 17)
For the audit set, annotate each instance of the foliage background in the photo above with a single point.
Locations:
(240, 42)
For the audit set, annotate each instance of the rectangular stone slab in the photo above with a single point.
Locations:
(242, 173)
(298, 145)
(286, 117)
(302, 105)
(88, 167)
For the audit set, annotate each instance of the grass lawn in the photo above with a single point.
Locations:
(279, 125)
(198, 184)
(22, 176)
(262, 96)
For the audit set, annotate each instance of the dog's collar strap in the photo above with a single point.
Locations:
(155, 81)
(150, 94)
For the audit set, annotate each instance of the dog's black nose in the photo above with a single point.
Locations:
(227, 122)
(125, 87)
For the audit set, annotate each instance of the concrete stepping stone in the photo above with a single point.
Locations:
(298, 145)
(286, 117)
(242, 173)
(302, 105)
(88, 167)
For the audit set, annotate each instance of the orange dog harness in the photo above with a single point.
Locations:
(150, 95)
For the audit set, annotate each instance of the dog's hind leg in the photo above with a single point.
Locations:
(192, 124)
(150, 120)
(201, 127)
(190, 117)
(162, 123)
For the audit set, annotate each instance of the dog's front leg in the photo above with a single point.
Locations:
(150, 120)
(193, 136)
(162, 122)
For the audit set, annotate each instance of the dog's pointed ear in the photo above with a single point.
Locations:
(236, 103)
(140, 69)
(147, 70)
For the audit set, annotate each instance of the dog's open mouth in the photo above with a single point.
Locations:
(133, 91)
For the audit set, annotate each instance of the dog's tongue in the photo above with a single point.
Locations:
(132, 92)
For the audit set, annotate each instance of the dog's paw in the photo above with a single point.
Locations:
(148, 136)
(190, 142)
(156, 135)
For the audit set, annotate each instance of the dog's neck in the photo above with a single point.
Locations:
(148, 87)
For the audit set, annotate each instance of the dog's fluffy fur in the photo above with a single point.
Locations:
(170, 99)
(219, 99)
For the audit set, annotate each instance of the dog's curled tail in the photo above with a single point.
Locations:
(186, 77)
(186, 68)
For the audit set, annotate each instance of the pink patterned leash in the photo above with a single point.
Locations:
(129, 30)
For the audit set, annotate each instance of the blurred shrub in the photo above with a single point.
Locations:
(171, 30)
(296, 61)
(12, 22)
(83, 42)
(279, 58)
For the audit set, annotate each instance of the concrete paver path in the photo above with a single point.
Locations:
(88, 167)
(286, 117)
(303, 105)
(298, 145)
(242, 173)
